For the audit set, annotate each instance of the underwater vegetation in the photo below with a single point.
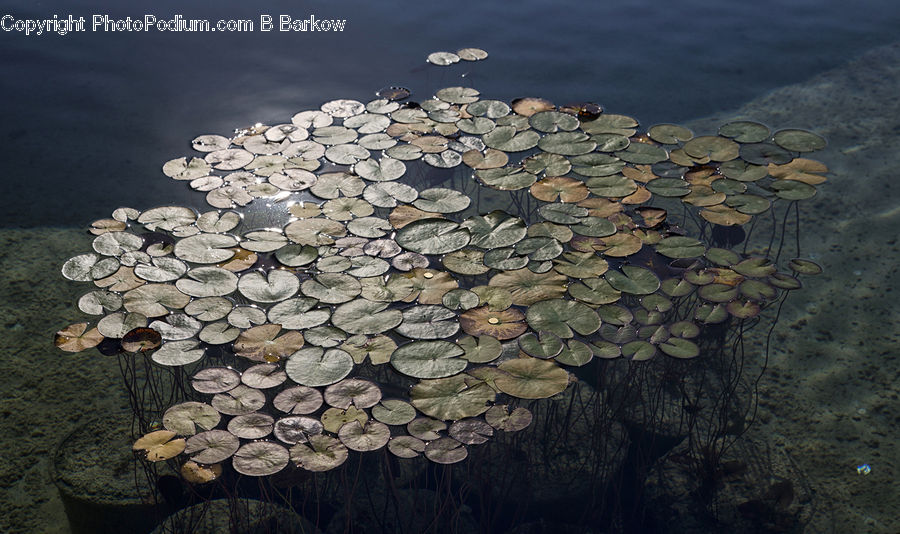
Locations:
(413, 280)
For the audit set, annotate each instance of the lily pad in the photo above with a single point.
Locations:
(451, 398)
(316, 367)
(159, 445)
(531, 378)
(432, 236)
(260, 458)
(429, 359)
(562, 317)
(212, 446)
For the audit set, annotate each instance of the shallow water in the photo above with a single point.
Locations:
(90, 117)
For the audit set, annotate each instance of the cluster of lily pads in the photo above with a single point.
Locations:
(477, 310)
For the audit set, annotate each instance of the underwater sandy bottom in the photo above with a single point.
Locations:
(828, 401)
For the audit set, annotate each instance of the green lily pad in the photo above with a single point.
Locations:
(394, 412)
(362, 316)
(506, 178)
(669, 134)
(527, 287)
(743, 309)
(553, 121)
(547, 163)
(745, 131)
(643, 154)
(802, 266)
(508, 139)
(575, 354)
(544, 345)
(633, 280)
(793, 189)
(714, 147)
(481, 349)
(680, 348)
(561, 317)
(466, 262)
(594, 291)
(494, 230)
(614, 186)
(428, 322)
(638, 350)
(799, 140)
(429, 359)
(581, 265)
(596, 164)
(432, 236)
(669, 187)
(452, 398)
(563, 213)
(531, 378)
(680, 247)
(567, 143)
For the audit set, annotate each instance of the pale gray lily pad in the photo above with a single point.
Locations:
(251, 426)
(471, 431)
(208, 282)
(163, 269)
(298, 400)
(441, 200)
(177, 326)
(298, 314)
(442, 58)
(352, 391)
(446, 451)
(458, 95)
(246, 316)
(343, 107)
(116, 325)
(363, 438)
(389, 194)
(229, 159)
(212, 446)
(206, 248)
(215, 380)
(117, 243)
(239, 400)
(260, 458)
(88, 267)
(406, 446)
(167, 218)
(332, 288)
(320, 453)
(362, 316)
(99, 302)
(264, 376)
(177, 353)
(316, 367)
(297, 429)
(432, 236)
(182, 169)
(494, 230)
(274, 286)
(499, 417)
(188, 418)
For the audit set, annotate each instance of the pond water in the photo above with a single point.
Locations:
(91, 116)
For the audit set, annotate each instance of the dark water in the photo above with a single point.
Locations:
(90, 117)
